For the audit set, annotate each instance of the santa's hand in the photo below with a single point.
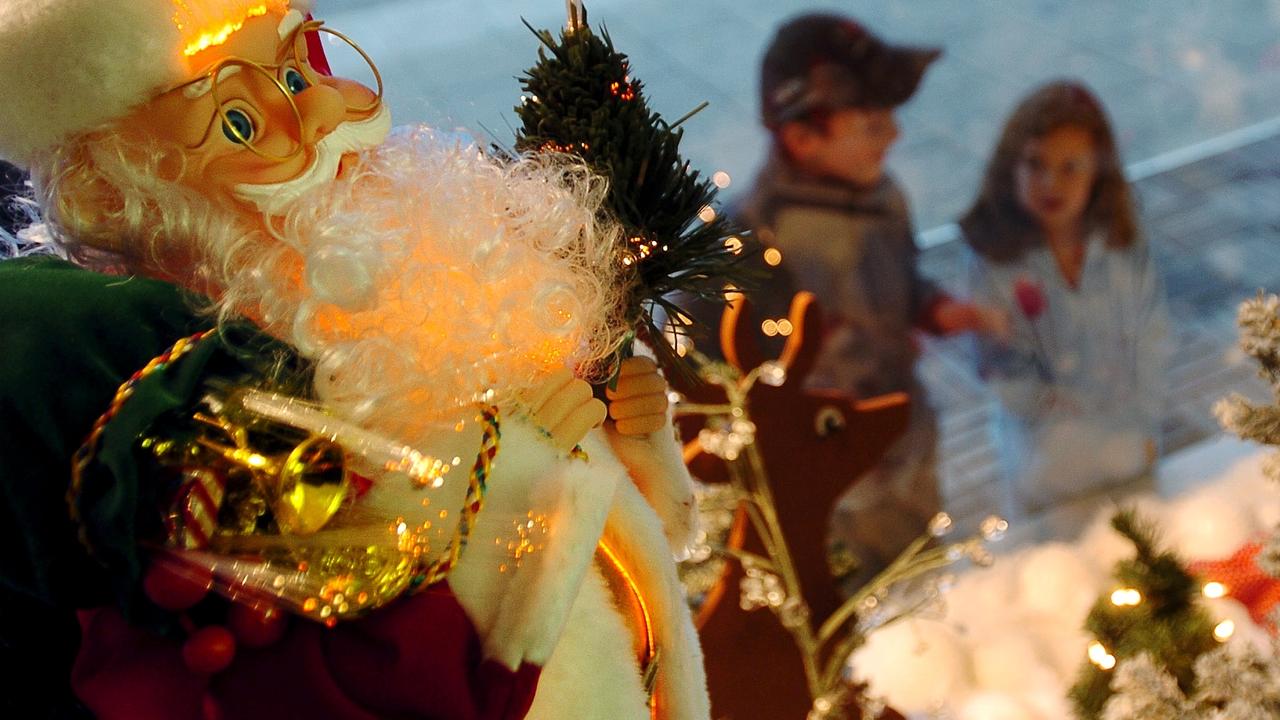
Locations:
(564, 409)
(638, 406)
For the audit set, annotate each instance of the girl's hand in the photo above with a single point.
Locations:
(994, 323)
(564, 409)
(639, 404)
(953, 316)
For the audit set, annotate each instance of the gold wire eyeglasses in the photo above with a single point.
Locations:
(291, 75)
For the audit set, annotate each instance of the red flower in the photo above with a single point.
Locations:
(1030, 297)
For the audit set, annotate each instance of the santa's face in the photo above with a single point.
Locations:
(259, 125)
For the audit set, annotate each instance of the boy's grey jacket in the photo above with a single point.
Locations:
(854, 248)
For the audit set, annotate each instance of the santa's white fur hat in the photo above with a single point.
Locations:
(67, 66)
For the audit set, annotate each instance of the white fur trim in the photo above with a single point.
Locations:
(521, 612)
(635, 533)
(593, 673)
(554, 610)
(72, 65)
(657, 465)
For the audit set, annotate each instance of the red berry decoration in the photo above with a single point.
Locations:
(257, 627)
(176, 587)
(209, 650)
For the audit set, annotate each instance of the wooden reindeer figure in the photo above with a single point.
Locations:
(814, 445)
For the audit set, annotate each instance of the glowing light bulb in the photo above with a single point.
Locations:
(734, 244)
(1126, 597)
(785, 327)
(769, 327)
(1224, 630)
(707, 214)
(773, 257)
(1214, 590)
(721, 179)
(1099, 656)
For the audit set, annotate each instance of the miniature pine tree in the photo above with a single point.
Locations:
(1154, 611)
(580, 98)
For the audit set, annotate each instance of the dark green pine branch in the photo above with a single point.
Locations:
(1168, 587)
(1169, 623)
(581, 99)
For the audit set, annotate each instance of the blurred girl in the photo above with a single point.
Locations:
(1056, 243)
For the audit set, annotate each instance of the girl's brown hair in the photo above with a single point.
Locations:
(997, 227)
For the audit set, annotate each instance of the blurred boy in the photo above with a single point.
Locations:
(828, 93)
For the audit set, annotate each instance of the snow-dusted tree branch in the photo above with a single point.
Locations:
(1259, 321)
(1233, 682)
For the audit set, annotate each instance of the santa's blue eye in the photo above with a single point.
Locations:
(238, 126)
(295, 81)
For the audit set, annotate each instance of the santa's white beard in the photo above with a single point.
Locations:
(430, 277)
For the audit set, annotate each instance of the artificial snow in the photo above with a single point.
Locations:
(1009, 641)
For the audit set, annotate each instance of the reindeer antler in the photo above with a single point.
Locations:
(801, 351)
(738, 340)
(741, 344)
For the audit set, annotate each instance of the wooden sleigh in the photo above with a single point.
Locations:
(814, 445)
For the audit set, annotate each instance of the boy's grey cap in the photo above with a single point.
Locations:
(827, 61)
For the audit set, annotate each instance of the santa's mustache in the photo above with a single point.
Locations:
(274, 199)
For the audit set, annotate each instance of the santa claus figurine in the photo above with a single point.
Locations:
(302, 428)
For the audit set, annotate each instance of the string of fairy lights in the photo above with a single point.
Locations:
(772, 256)
(1127, 597)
